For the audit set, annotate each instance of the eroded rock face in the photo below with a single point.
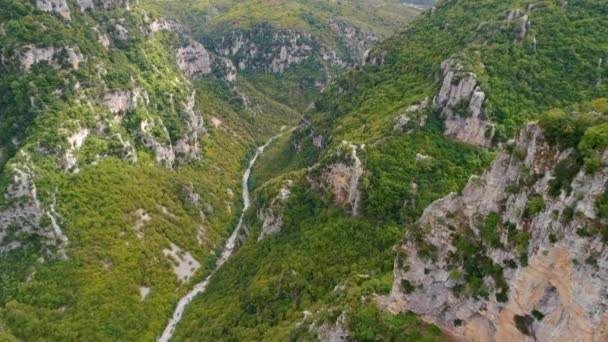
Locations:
(414, 116)
(121, 101)
(25, 213)
(285, 48)
(356, 40)
(546, 264)
(194, 60)
(343, 179)
(161, 146)
(59, 6)
(272, 217)
(334, 332)
(85, 5)
(60, 57)
(461, 101)
(185, 149)
(75, 142)
(112, 4)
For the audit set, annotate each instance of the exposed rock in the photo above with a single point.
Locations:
(121, 101)
(161, 24)
(184, 264)
(75, 142)
(163, 150)
(334, 332)
(272, 217)
(422, 157)
(102, 38)
(356, 40)
(194, 60)
(113, 4)
(128, 150)
(523, 22)
(216, 122)
(59, 6)
(558, 279)
(285, 48)
(414, 113)
(318, 141)
(24, 212)
(185, 149)
(121, 32)
(143, 292)
(191, 196)
(462, 103)
(64, 56)
(229, 72)
(85, 5)
(343, 179)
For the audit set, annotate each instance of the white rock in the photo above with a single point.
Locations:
(184, 264)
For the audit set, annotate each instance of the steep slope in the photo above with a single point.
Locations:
(432, 107)
(520, 253)
(121, 158)
(289, 48)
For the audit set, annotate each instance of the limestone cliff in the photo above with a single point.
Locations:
(543, 274)
(462, 101)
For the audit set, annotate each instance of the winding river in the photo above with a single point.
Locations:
(226, 253)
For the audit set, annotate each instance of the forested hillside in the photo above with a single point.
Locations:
(289, 48)
(325, 256)
(122, 144)
(114, 156)
(447, 177)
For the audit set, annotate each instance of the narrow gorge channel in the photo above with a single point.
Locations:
(229, 248)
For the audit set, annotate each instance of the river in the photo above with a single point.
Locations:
(226, 253)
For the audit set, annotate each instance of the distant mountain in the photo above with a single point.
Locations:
(289, 48)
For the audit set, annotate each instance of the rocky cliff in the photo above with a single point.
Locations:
(513, 256)
(462, 101)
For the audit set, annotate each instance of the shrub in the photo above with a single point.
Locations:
(524, 324)
(600, 105)
(538, 315)
(535, 205)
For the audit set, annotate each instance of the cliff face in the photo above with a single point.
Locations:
(265, 48)
(462, 101)
(107, 118)
(542, 275)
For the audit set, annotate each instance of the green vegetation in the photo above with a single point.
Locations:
(95, 293)
(324, 261)
(535, 205)
(259, 21)
(368, 324)
(360, 107)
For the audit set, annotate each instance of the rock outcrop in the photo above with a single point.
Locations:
(58, 6)
(462, 101)
(194, 60)
(342, 178)
(536, 270)
(357, 41)
(155, 136)
(184, 264)
(85, 5)
(65, 57)
(272, 216)
(414, 116)
(121, 101)
(24, 213)
(75, 142)
(275, 53)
